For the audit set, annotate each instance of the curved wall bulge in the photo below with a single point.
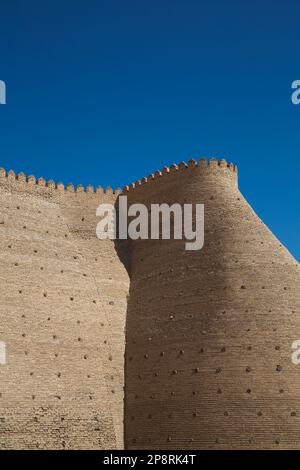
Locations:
(209, 332)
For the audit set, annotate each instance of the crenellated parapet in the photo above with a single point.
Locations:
(32, 181)
(203, 166)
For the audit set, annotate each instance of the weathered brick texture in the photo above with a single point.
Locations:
(206, 334)
(62, 317)
(209, 332)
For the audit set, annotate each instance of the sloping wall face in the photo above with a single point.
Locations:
(209, 332)
(62, 315)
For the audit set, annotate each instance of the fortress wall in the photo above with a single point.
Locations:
(112, 283)
(209, 332)
(61, 318)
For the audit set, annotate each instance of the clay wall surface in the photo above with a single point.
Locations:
(63, 303)
(209, 332)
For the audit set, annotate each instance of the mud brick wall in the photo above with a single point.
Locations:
(62, 316)
(206, 335)
(209, 332)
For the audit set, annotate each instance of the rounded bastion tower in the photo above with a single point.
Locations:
(209, 333)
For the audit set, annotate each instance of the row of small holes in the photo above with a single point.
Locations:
(71, 298)
(219, 392)
(195, 414)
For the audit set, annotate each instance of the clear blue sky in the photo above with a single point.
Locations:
(107, 91)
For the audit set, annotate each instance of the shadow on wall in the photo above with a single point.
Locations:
(123, 247)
